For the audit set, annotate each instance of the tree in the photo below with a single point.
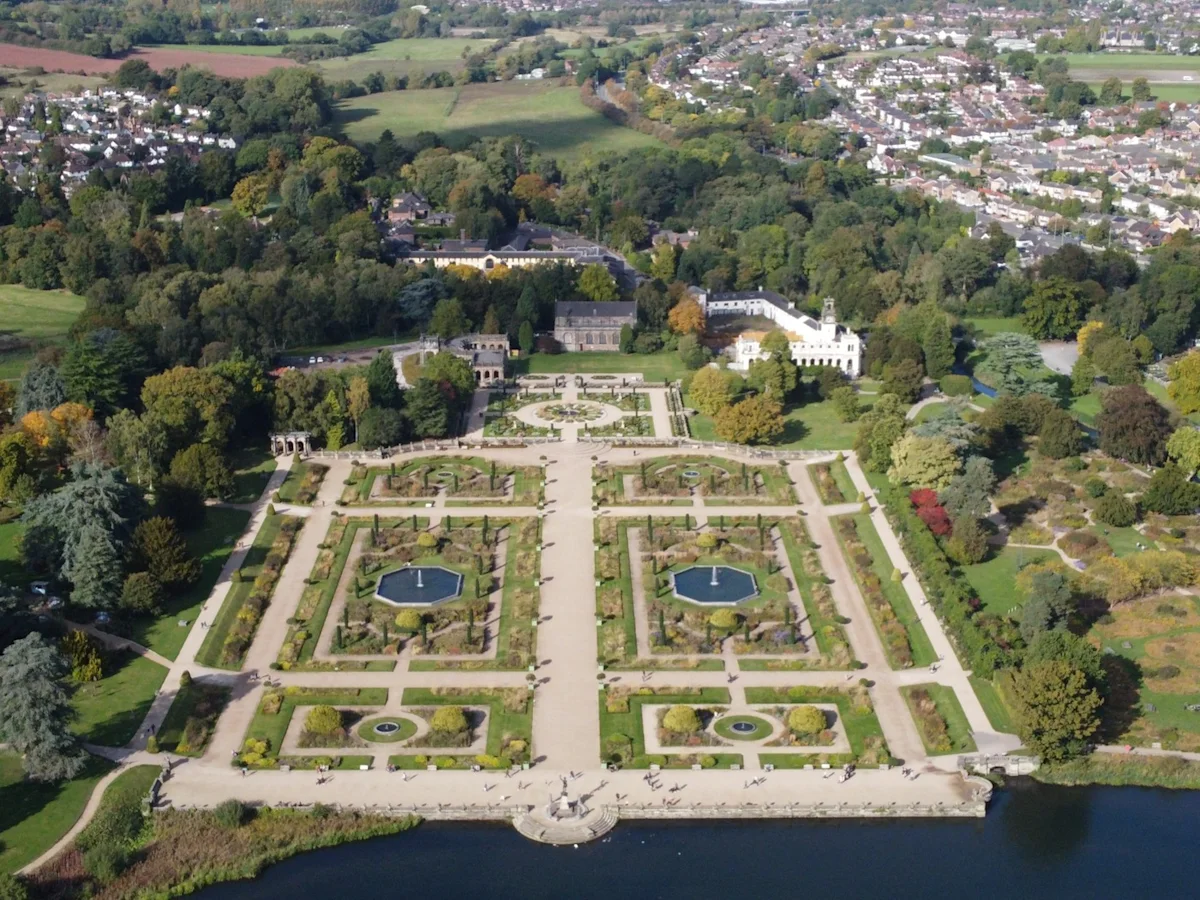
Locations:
(845, 404)
(692, 353)
(525, 339)
(142, 594)
(755, 420)
(947, 423)
(104, 370)
(381, 379)
(904, 379)
(773, 377)
(1116, 510)
(1083, 376)
(97, 569)
(203, 468)
(1141, 89)
(938, 347)
(1117, 361)
(710, 391)
(1183, 447)
(191, 406)
(686, 317)
(597, 284)
(250, 195)
(1007, 354)
(1184, 386)
(427, 411)
(681, 720)
(448, 319)
(1059, 436)
(1067, 647)
(1133, 426)
(968, 543)
(41, 388)
(358, 400)
(879, 428)
(1057, 711)
(923, 462)
(35, 710)
(806, 720)
(1171, 493)
(385, 427)
(449, 720)
(665, 258)
(967, 496)
(159, 549)
(323, 720)
(1111, 91)
(11, 888)
(1054, 310)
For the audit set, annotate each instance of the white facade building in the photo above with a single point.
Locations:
(824, 343)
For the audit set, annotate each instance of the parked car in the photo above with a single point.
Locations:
(312, 360)
(41, 588)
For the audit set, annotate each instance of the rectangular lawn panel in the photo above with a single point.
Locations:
(992, 701)
(109, 711)
(893, 592)
(211, 543)
(651, 366)
(939, 717)
(621, 737)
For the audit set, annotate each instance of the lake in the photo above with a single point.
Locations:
(1037, 841)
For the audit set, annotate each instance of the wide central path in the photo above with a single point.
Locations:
(566, 717)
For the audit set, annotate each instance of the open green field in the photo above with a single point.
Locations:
(33, 815)
(109, 711)
(234, 49)
(550, 115)
(1132, 62)
(995, 580)
(18, 82)
(1180, 93)
(11, 571)
(29, 316)
(211, 544)
(297, 35)
(404, 56)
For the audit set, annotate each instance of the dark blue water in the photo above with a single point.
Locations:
(1037, 841)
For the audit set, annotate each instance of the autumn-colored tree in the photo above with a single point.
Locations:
(710, 391)
(663, 262)
(686, 317)
(1184, 387)
(754, 420)
(924, 461)
(250, 194)
(597, 284)
(358, 400)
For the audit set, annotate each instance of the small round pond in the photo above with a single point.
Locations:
(714, 585)
(419, 586)
(743, 728)
(387, 730)
(691, 473)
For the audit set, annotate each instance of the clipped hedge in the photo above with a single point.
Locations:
(985, 640)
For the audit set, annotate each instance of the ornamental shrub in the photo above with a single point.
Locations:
(724, 619)
(1115, 510)
(449, 720)
(232, 813)
(323, 720)
(706, 541)
(956, 385)
(806, 720)
(681, 720)
(427, 541)
(408, 620)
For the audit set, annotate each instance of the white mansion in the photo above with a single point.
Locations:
(824, 343)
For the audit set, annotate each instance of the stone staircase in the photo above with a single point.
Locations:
(544, 830)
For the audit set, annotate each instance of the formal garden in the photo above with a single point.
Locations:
(509, 738)
(832, 481)
(263, 744)
(462, 480)
(940, 719)
(674, 478)
(622, 737)
(302, 483)
(855, 716)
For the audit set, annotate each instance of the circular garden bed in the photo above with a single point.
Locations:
(387, 729)
(743, 728)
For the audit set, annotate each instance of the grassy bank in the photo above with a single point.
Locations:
(1124, 771)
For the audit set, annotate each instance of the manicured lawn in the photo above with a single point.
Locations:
(211, 544)
(813, 426)
(989, 325)
(271, 727)
(198, 702)
(11, 570)
(1134, 62)
(951, 712)
(995, 580)
(33, 816)
(928, 412)
(652, 366)
(550, 115)
(109, 711)
(867, 745)
(616, 727)
(251, 471)
(993, 704)
(41, 317)
(1086, 408)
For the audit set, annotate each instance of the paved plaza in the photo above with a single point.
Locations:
(574, 682)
